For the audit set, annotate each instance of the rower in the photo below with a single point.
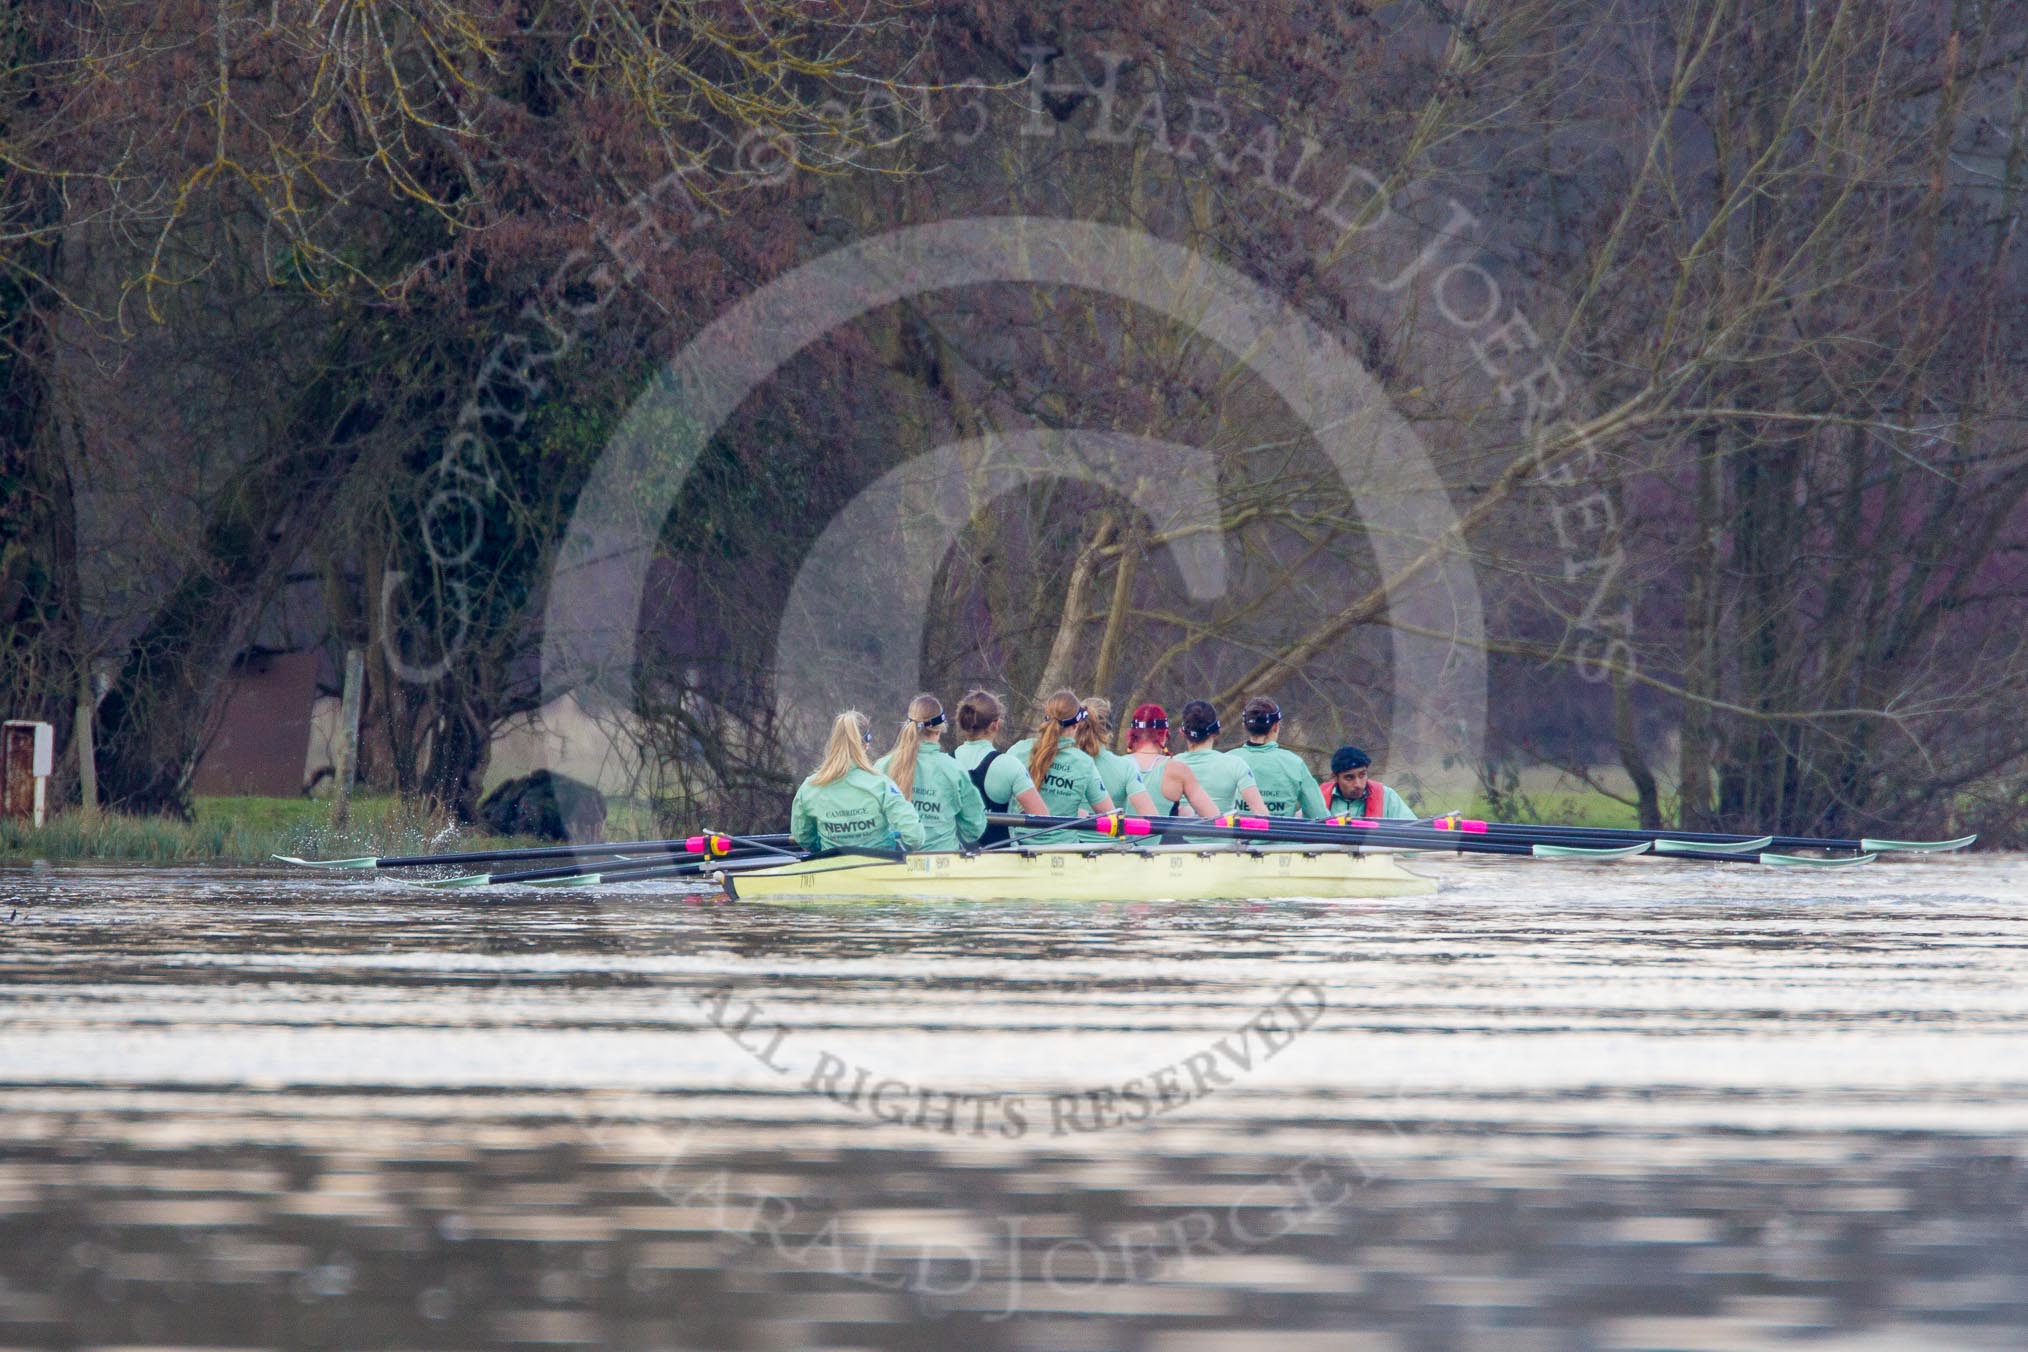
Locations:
(1284, 781)
(846, 803)
(1148, 738)
(1225, 777)
(1001, 779)
(1121, 776)
(1351, 791)
(1155, 791)
(1067, 778)
(945, 798)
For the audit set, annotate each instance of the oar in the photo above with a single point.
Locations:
(1579, 842)
(1405, 836)
(715, 843)
(1501, 832)
(1402, 835)
(630, 872)
(570, 873)
(718, 845)
(755, 861)
(1683, 842)
(1519, 833)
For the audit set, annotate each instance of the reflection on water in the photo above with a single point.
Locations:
(1657, 1106)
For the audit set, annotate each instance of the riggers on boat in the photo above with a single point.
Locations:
(1222, 872)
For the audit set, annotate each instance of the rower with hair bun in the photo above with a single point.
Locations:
(953, 812)
(1284, 781)
(846, 803)
(1002, 780)
(1226, 778)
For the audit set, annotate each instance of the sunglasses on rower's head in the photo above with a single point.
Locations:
(1073, 722)
(1157, 724)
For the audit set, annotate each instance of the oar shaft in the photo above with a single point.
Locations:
(1341, 837)
(1497, 831)
(704, 867)
(1506, 833)
(623, 867)
(1631, 834)
(683, 845)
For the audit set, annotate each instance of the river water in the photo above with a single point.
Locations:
(1640, 1106)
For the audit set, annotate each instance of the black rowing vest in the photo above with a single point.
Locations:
(994, 834)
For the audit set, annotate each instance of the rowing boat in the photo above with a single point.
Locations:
(1225, 858)
(1082, 873)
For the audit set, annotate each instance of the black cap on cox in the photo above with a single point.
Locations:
(1348, 758)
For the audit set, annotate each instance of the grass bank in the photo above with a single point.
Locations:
(242, 831)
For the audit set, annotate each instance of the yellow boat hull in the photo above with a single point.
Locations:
(1069, 873)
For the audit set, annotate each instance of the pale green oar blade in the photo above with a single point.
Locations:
(1702, 847)
(577, 880)
(1806, 861)
(1587, 851)
(469, 880)
(1916, 846)
(368, 862)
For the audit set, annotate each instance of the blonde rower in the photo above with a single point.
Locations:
(953, 814)
(847, 803)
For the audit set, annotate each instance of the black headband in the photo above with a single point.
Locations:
(1161, 724)
(1259, 722)
(929, 723)
(1073, 722)
(1197, 732)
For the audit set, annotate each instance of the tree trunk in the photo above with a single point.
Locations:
(84, 741)
(1118, 612)
(1700, 646)
(164, 702)
(1056, 671)
(460, 742)
(1647, 799)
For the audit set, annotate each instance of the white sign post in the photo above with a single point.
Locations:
(27, 759)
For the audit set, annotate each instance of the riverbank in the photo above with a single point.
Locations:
(244, 830)
(251, 830)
